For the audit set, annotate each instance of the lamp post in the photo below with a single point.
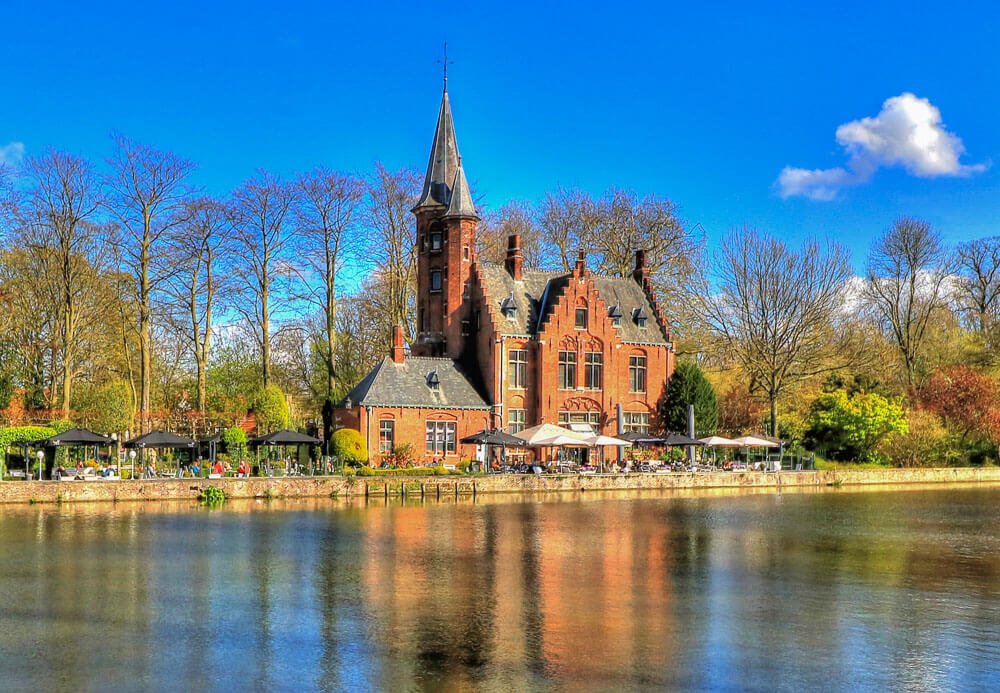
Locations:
(131, 454)
(41, 459)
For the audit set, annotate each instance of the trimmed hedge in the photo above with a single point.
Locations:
(408, 471)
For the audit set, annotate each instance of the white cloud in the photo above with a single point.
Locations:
(907, 132)
(818, 184)
(11, 153)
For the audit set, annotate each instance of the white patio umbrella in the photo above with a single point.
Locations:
(545, 435)
(755, 442)
(599, 440)
(720, 442)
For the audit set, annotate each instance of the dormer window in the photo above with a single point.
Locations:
(435, 241)
(433, 382)
(508, 307)
(615, 313)
(639, 317)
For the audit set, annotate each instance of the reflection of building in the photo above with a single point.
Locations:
(506, 346)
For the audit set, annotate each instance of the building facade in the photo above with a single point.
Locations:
(504, 346)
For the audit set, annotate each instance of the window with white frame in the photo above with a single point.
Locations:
(441, 437)
(567, 370)
(517, 361)
(593, 367)
(515, 420)
(637, 373)
(386, 435)
(588, 417)
(635, 421)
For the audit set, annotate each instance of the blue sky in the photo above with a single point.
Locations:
(705, 104)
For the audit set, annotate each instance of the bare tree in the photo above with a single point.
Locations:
(199, 247)
(148, 192)
(979, 288)
(515, 217)
(393, 229)
(907, 271)
(259, 210)
(328, 212)
(568, 219)
(57, 226)
(775, 309)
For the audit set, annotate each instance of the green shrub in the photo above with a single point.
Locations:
(22, 434)
(212, 496)
(349, 447)
(61, 425)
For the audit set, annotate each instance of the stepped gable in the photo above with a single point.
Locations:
(406, 384)
(539, 291)
(498, 285)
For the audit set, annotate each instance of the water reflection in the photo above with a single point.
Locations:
(690, 591)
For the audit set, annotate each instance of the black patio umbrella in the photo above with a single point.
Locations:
(637, 438)
(680, 439)
(283, 437)
(76, 436)
(494, 438)
(162, 439)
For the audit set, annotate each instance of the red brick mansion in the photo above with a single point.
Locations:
(502, 346)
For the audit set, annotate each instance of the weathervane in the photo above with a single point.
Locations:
(445, 62)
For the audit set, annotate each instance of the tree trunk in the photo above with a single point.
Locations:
(67, 359)
(774, 414)
(331, 337)
(145, 338)
(265, 334)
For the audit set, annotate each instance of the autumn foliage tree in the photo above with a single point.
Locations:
(967, 400)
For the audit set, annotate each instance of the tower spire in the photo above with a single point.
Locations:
(443, 163)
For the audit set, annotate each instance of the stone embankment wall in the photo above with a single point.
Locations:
(442, 487)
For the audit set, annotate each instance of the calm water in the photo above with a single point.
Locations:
(839, 590)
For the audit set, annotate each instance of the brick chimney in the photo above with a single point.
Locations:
(641, 271)
(397, 344)
(514, 263)
(581, 264)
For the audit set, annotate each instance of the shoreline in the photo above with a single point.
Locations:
(437, 487)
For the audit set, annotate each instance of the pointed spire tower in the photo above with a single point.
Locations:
(446, 242)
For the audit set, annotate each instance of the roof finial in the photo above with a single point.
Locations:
(445, 62)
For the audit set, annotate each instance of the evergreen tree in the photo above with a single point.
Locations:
(688, 385)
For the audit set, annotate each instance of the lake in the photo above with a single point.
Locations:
(833, 590)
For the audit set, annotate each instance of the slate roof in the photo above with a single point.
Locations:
(535, 296)
(392, 384)
(461, 199)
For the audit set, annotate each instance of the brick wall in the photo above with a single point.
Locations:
(410, 426)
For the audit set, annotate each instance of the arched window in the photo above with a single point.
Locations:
(637, 371)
